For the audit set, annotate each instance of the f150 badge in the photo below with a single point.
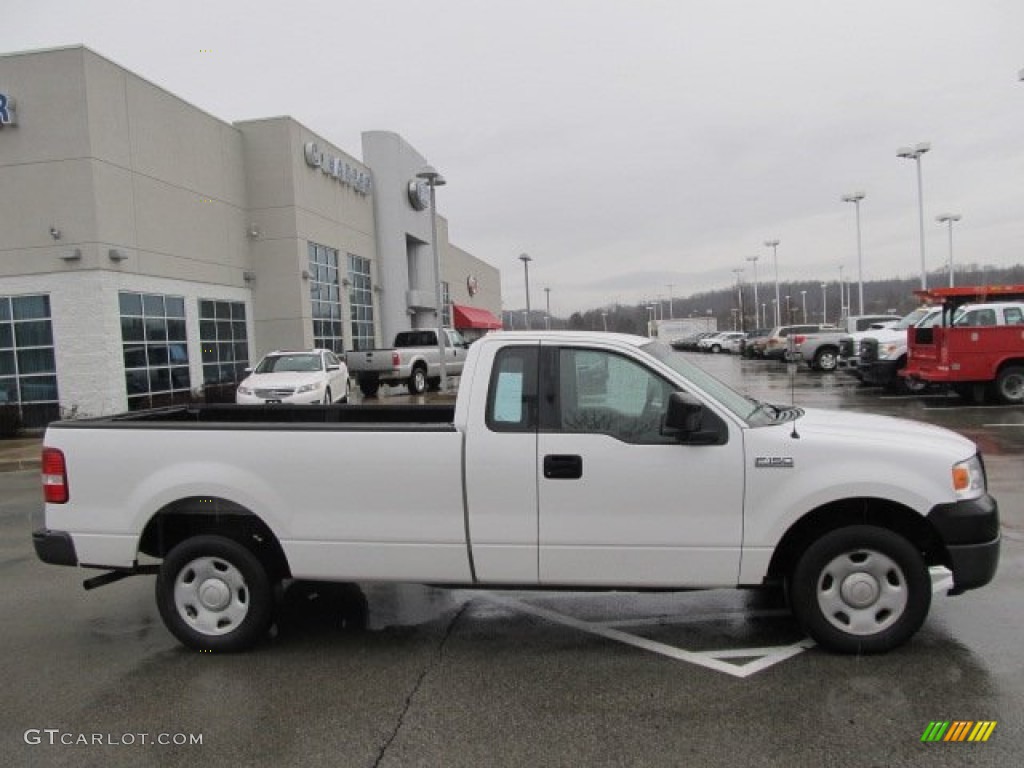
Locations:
(773, 462)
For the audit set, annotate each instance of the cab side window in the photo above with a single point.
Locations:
(512, 395)
(1014, 316)
(604, 393)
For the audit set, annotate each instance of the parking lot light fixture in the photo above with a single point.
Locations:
(914, 153)
(525, 258)
(949, 218)
(774, 245)
(434, 180)
(855, 198)
(824, 304)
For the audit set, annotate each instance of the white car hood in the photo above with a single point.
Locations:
(282, 380)
(892, 434)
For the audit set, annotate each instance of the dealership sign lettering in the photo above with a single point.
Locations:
(337, 168)
(7, 116)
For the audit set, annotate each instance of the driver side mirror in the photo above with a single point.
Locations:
(685, 421)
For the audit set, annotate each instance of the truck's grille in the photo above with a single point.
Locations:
(846, 347)
(868, 350)
(276, 393)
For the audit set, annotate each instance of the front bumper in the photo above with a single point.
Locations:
(305, 398)
(880, 372)
(54, 547)
(970, 531)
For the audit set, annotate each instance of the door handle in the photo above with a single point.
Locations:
(563, 467)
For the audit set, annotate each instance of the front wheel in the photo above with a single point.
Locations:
(214, 594)
(861, 589)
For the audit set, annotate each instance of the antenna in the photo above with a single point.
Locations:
(791, 370)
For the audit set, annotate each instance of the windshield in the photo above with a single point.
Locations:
(741, 405)
(289, 364)
(913, 318)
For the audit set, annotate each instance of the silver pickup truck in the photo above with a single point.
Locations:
(820, 351)
(412, 361)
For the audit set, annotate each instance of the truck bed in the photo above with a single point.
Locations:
(398, 418)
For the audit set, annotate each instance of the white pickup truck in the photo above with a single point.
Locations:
(569, 460)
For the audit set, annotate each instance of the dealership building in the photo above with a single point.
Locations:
(149, 250)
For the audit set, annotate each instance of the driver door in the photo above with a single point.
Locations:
(621, 504)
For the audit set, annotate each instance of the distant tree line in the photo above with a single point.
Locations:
(894, 295)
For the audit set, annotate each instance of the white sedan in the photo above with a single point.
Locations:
(726, 341)
(311, 377)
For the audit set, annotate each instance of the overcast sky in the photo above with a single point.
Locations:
(626, 146)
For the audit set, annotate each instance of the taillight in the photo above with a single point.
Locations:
(396, 360)
(799, 340)
(55, 477)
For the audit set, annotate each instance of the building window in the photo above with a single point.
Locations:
(28, 372)
(224, 341)
(446, 305)
(360, 299)
(155, 348)
(325, 293)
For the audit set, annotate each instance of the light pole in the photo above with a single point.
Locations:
(824, 304)
(739, 293)
(949, 218)
(842, 305)
(753, 260)
(774, 245)
(789, 312)
(803, 305)
(434, 180)
(855, 198)
(671, 310)
(914, 153)
(604, 320)
(764, 313)
(525, 258)
(547, 319)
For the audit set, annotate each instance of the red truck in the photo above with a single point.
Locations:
(977, 350)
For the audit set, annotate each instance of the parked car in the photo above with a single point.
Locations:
(820, 351)
(689, 343)
(777, 344)
(719, 342)
(412, 361)
(753, 344)
(311, 377)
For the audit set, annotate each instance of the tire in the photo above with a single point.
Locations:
(826, 359)
(327, 397)
(1009, 385)
(369, 386)
(418, 381)
(715, 349)
(861, 589)
(214, 594)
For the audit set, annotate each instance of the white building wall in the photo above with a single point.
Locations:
(86, 320)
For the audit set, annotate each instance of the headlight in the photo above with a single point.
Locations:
(969, 478)
(244, 391)
(306, 388)
(888, 349)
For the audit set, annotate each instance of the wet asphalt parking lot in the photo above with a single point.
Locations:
(409, 676)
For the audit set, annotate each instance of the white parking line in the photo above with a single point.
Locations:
(761, 658)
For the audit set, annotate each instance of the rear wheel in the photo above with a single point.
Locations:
(1010, 385)
(715, 349)
(214, 594)
(861, 589)
(826, 360)
(418, 381)
(369, 385)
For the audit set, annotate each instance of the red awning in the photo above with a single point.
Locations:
(471, 317)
